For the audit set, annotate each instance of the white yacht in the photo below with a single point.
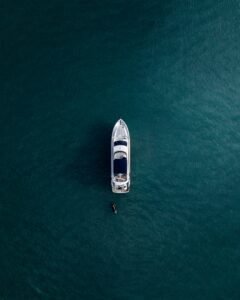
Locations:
(120, 158)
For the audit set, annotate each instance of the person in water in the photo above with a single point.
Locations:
(114, 208)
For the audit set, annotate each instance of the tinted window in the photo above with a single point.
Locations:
(124, 143)
(120, 166)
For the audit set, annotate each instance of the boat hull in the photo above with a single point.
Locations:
(120, 158)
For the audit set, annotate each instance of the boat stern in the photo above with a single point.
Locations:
(120, 187)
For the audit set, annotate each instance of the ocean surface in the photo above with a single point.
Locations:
(69, 70)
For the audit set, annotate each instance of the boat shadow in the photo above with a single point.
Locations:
(92, 165)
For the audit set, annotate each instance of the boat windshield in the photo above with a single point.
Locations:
(123, 143)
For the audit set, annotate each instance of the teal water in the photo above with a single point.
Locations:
(69, 70)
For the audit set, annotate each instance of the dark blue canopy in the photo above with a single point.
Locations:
(120, 166)
(120, 143)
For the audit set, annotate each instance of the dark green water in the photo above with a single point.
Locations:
(69, 70)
